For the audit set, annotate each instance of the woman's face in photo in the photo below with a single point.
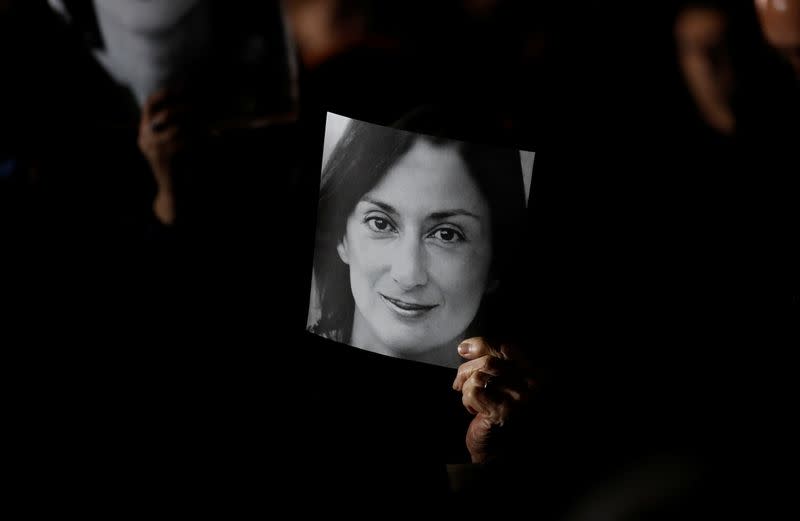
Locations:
(418, 246)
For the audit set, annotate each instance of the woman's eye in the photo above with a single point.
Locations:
(448, 235)
(376, 224)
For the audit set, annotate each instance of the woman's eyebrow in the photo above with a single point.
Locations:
(445, 214)
(383, 206)
(436, 216)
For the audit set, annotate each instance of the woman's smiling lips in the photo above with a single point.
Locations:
(406, 309)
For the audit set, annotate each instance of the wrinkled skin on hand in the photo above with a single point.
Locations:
(496, 385)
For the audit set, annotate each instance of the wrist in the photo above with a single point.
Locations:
(162, 173)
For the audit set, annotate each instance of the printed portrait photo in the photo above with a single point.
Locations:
(414, 232)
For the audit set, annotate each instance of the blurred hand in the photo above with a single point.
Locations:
(495, 384)
(162, 138)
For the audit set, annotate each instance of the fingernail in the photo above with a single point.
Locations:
(464, 348)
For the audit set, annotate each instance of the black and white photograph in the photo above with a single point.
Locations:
(412, 234)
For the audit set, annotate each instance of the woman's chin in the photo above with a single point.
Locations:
(408, 348)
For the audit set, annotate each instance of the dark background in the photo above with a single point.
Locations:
(149, 364)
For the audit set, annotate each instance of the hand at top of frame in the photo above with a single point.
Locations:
(496, 384)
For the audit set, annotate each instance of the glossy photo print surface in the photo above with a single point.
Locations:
(412, 235)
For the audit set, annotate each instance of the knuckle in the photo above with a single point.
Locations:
(469, 392)
(514, 395)
(474, 390)
(466, 400)
(475, 379)
(503, 412)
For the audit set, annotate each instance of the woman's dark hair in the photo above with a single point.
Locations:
(361, 158)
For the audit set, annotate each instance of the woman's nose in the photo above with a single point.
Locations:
(408, 264)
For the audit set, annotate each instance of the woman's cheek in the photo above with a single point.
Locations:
(474, 273)
(375, 253)
(452, 269)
